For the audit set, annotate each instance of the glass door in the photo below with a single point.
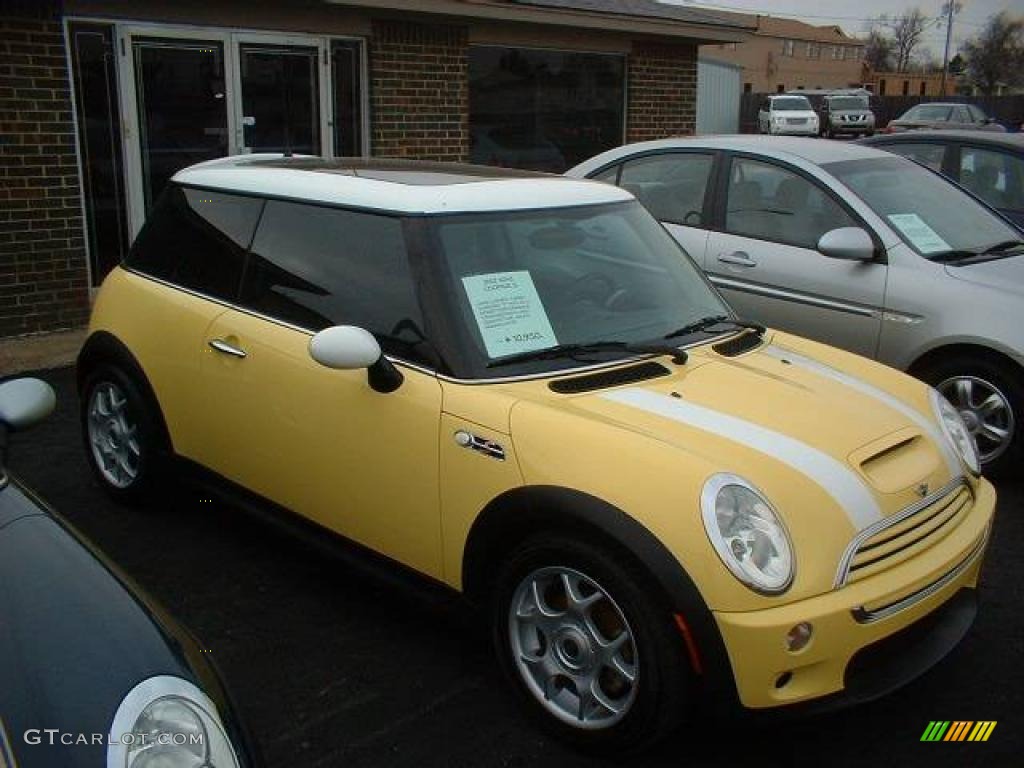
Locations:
(280, 98)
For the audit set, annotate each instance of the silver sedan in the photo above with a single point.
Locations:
(854, 247)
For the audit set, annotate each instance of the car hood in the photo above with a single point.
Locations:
(868, 445)
(806, 113)
(1006, 274)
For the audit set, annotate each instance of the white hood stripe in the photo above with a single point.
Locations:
(930, 428)
(838, 480)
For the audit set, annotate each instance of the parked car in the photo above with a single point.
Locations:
(942, 115)
(845, 113)
(854, 247)
(523, 388)
(787, 115)
(94, 672)
(991, 165)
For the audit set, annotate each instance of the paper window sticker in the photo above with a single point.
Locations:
(921, 236)
(509, 313)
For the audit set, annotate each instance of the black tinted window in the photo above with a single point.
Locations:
(671, 186)
(316, 267)
(197, 239)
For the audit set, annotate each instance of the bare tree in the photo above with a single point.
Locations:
(907, 29)
(878, 50)
(997, 54)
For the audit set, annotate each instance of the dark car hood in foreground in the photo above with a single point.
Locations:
(75, 637)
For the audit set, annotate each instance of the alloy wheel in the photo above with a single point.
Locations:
(986, 412)
(113, 435)
(573, 647)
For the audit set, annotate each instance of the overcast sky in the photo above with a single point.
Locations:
(853, 16)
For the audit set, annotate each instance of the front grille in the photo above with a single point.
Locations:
(796, 120)
(905, 534)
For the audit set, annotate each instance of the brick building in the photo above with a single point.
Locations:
(101, 101)
(786, 55)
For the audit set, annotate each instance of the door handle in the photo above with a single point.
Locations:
(739, 258)
(219, 345)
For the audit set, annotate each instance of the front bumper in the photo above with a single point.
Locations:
(851, 654)
(853, 128)
(793, 130)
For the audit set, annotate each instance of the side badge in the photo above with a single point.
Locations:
(480, 444)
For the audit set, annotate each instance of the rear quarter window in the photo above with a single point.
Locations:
(197, 239)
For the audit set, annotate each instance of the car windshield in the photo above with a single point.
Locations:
(520, 282)
(791, 104)
(928, 112)
(847, 102)
(933, 216)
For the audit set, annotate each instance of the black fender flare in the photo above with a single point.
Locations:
(521, 512)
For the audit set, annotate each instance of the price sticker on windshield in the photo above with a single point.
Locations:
(509, 313)
(920, 235)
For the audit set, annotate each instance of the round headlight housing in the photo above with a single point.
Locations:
(956, 431)
(167, 722)
(747, 534)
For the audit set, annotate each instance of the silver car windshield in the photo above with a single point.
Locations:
(791, 104)
(927, 112)
(533, 280)
(847, 103)
(933, 216)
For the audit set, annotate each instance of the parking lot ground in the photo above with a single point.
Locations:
(333, 666)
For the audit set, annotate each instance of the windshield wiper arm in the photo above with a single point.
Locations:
(964, 255)
(711, 320)
(1005, 245)
(679, 356)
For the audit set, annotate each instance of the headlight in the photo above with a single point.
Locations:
(955, 430)
(747, 534)
(167, 722)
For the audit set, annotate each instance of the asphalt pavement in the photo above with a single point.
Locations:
(332, 665)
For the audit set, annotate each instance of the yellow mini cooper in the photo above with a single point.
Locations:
(520, 386)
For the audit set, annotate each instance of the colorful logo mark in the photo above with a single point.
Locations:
(958, 730)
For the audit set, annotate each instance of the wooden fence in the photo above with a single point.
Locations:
(1008, 110)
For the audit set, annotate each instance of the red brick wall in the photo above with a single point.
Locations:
(661, 91)
(43, 278)
(419, 91)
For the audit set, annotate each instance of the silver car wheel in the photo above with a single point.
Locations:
(573, 648)
(986, 412)
(113, 436)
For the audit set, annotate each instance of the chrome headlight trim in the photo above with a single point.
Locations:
(156, 689)
(713, 488)
(950, 422)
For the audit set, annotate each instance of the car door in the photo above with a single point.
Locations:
(997, 177)
(765, 261)
(673, 186)
(320, 441)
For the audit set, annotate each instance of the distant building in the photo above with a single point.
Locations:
(785, 55)
(909, 83)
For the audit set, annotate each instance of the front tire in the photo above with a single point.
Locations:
(588, 645)
(124, 443)
(991, 400)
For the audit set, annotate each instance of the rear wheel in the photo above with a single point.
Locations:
(588, 645)
(124, 443)
(991, 401)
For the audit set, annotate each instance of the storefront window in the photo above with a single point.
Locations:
(543, 110)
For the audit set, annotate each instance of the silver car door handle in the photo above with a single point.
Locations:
(739, 258)
(219, 345)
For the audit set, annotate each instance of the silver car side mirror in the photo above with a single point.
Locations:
(25, 402)
(349, 348)
(847, 243)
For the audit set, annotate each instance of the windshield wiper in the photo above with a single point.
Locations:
(679, 356)
(955, 255)
(712, 320)
(1005, 245)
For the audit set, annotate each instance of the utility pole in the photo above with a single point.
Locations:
(951, 7)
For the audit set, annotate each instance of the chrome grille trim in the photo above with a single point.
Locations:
(863, 615)
(843, 572)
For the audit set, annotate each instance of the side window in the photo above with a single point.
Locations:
(197, 239)
(926, 154)
(316, 267)
(995, 177)
(671, 186)
(977, 115)
(609, 175)
(768, 202)
(961, 115)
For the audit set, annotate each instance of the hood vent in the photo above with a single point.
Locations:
(738, 344)
(613, 378)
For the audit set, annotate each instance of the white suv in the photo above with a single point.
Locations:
(787, 115)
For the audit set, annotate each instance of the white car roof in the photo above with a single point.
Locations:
(396, 186)
(816, 151)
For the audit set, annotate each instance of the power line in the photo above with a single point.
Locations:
(802, 16)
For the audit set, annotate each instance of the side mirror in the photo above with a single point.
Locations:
(848, 244)
(25, 402)
(348, 348)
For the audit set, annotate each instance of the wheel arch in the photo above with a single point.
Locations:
(959, 349)
(102, 347)
(515, 515)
